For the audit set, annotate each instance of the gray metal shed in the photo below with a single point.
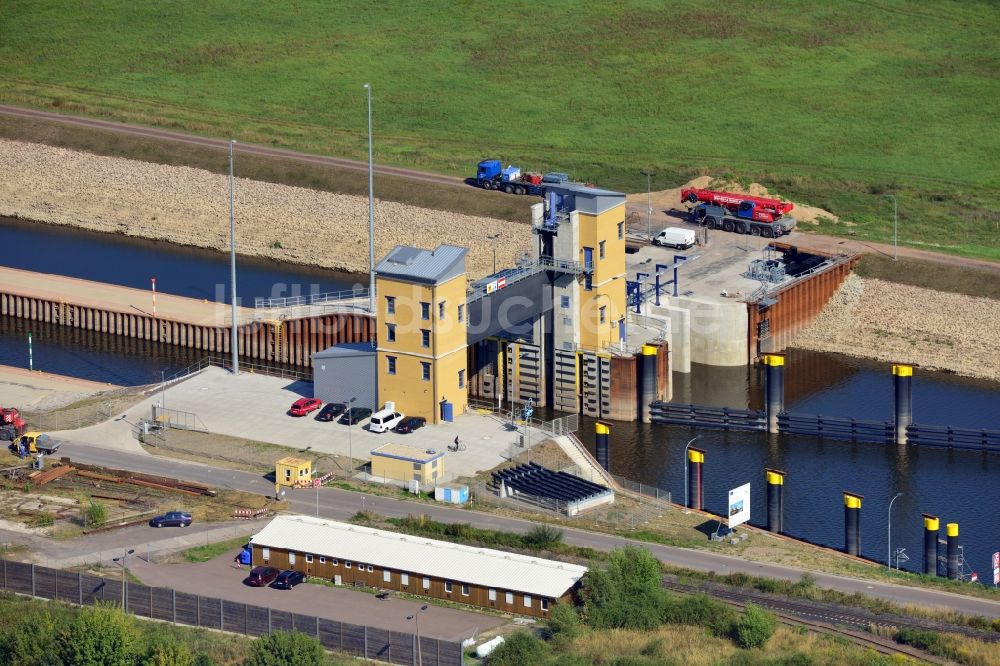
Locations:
(345, 371)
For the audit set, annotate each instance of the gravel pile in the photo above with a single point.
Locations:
(191, 207)
(903, 324)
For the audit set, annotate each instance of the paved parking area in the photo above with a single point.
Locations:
(254, 406)
(219, 578)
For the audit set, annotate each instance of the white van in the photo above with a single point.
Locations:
(675, 237)
(383, 420)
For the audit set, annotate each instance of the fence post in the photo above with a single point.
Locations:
(32, 580)
(79, 583)
(55, 575)
(317, 626)
(222, 617)
(366, 641)
(197, 609)
(268, 619)
(5, 574)
(150, 602)
(245, 620)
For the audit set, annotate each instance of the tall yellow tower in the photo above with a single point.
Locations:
(422, 330)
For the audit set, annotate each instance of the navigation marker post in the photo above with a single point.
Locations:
(31, 355)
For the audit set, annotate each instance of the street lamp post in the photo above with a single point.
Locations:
(232, 257)
(888, 559)
(494, 238)
(649, 202)
(124, 561)
(350, 423)
(686, 447)
(416, 619)
(371, 207)
(895, 218)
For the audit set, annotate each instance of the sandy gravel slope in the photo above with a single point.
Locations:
(904, 324)
(191, 207)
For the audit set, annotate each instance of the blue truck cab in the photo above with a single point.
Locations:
(488, 171)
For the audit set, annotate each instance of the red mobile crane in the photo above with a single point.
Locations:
(759, 209)
(11, 424)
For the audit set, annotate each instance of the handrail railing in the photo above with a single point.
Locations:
(311, 299)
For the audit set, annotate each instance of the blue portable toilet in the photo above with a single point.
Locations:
(447, 411)
(245, 557)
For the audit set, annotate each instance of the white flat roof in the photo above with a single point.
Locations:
(419, 555)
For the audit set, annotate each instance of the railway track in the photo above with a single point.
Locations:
(833, 619)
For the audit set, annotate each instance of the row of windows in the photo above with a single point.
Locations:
(404, 579)
(425, 370)
(425, 335)
(425, 309)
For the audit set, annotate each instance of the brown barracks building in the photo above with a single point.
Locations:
(350, 554)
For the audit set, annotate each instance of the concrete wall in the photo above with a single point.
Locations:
(706, 331)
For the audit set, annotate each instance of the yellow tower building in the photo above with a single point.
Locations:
(422, 335)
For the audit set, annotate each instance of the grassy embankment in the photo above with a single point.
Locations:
(830, 105)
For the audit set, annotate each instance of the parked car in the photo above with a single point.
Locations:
(409, 424)
(331, 411)
(354, 415)
(172, 519)
(384, 420)
(303, 406)
(262, 576)
(286, 580)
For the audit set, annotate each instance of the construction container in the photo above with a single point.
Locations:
(293, 472)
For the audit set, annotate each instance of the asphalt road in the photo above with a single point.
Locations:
(341, 504)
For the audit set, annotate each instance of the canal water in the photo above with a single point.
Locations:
(957, 486)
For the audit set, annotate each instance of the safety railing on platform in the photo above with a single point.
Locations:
(311, 299)
(226, 363)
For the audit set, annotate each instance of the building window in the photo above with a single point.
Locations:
(390, 305)
(600, 247)
(425, 371)
(567, 321)
(492, 594)
(604, 314)
(370, 568)
(564, 301)
(425, 311)
(335, 562)
(387, 576)
(309, 558)
(588, 282)
(509, 598)
(404, 579)
(417, 467)
(447, 586)
(425, 338)
(390, 364)
(621, 230)
(427, 583)
(461, 312)
(322, 559)
(347, 564)
(465, 589)
(265, 554)
(441, 310)
(461, 379)
(527, 601)
(390, 332)
(545, 604)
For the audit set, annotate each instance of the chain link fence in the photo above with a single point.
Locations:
(169, 605)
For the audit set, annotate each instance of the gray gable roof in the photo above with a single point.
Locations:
(413, 264)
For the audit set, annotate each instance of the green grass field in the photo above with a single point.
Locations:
(832, 103)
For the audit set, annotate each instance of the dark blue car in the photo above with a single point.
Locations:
(172, 519)
(286, 580)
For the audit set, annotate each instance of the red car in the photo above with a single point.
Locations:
(262, 576)
(303, 406)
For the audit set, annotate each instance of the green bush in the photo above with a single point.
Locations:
(755, 627)
(29, 640)
(626, 593)
(169, 654)
(286, 648)
(564, 623)
(543, 537)
(96, 514)
(518, 649)
(701, 610)
(101, 635)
